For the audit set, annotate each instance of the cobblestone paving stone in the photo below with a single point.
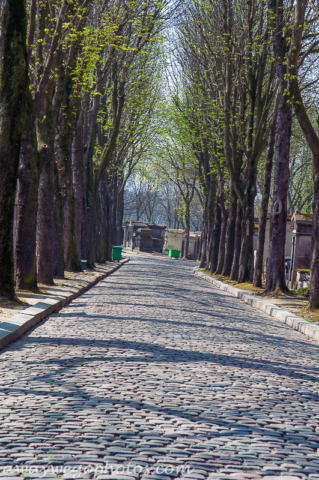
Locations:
(156, 369)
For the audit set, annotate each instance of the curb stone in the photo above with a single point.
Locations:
(293, 321)
(16, 326)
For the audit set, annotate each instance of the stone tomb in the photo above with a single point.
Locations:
(143, 240)
(176, 239)
(158, 232)
(131, 235)
(301, 248)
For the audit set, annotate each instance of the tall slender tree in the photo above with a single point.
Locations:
(13, 94)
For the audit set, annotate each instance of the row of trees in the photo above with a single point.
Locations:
(79, 81)
(242, 71)
(85, 105)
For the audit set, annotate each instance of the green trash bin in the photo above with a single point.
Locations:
(173, 253)
(116, 253)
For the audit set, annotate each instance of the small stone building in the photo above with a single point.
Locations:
(194, 245)
(301, 246)
(143, 240)
(136, 236)
(130, 232)
(158, 232)
(176, 239)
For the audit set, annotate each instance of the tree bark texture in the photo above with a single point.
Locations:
(216, 237)
(264, 204)
(204, 236)
(221, 251)
(13, 92)
(187, 231)
(206, 179)
(106, 219)
(45, 219)
(27, 208)
(246, 259)
(79, 189)
(64, 149)
(211, 217)
(90, 229)
(114, 208)
(237, 245)
(89, 233)
(275, 273)
(45, 140)
(101, 221)
(314, 279)
(312, 139)
(58, 248)
(120, 216)
(230, 235)
(107, 231)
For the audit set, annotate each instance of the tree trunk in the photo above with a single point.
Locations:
(264, 204)
(208, 221)
(237, 245)
(91, 232)
(314, 277)
(114, 196)
(275, 273)
(88, 240)
(221, 251)
(79, 188)
(212, 182)
(45, 139)
(204, 236)
(108, 238)
(58, 248)
(312, 138)
(187, 231)
(216, 236)
(45, 219)
(105, 187)
(27, 208)
(230, 235)
(13, 92)
(120, 216)
(246, 259)
(73, 262)
(101, 221)
(64, 148)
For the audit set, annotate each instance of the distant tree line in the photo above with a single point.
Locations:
(147, 201)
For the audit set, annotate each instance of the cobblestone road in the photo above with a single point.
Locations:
(156, 369)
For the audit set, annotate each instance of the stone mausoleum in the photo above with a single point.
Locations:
(176, 239)
(300, 248)
(144, 237)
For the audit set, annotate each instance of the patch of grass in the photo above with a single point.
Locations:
(310, 314)
(303, 292)
(248, 286)
(244, 286)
